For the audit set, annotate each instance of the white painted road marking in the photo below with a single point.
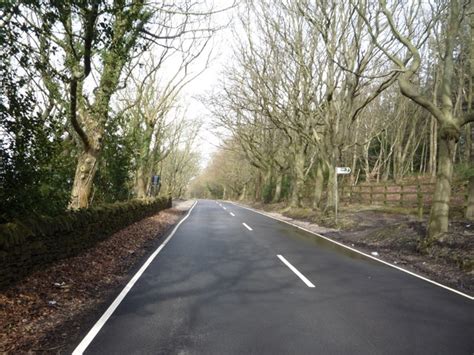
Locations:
(233, 215)
(295, 270)
(246, 226)
(100, 323)
(360, 252)
(224, 208)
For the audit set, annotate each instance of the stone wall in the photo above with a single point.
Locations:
(37, 241)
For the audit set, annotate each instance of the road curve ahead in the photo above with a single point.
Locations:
(231, 281)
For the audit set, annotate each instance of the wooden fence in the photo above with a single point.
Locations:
(415, 195)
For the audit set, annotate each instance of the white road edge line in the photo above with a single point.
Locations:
(233, 215)
(295, 270)
(102, 320)
(246, 226)
(360, 252)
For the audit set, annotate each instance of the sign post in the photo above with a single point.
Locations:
(155, 180)
(343, 170)
(339, 171)
(155, 185)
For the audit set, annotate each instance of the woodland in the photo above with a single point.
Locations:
(98, 136)
(382, 87)
(92, 111)
(90, 101)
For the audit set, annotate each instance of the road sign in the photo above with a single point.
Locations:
(343, 170)
(155, 180)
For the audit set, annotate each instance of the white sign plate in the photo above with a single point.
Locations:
(343, 170)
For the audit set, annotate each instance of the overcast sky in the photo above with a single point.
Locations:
(221, 55)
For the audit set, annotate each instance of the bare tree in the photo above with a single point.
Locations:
(443, 112)
(85, 53)
(182, 163)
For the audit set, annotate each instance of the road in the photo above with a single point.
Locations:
(232, 281)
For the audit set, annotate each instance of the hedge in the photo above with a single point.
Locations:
(37, 241)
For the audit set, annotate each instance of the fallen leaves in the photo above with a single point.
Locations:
(44, 311)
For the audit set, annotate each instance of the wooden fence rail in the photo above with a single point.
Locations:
(419, 195)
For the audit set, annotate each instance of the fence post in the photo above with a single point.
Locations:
(350, 193)
(371, 194)
(401, 195)
(385, 194)
(466, 195)
(419, 196)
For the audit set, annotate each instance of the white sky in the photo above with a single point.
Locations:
(207, 142)
(221, 46)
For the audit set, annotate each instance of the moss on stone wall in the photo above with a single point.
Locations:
(39, 240)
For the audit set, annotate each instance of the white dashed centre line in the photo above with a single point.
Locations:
(224, 208)
(246, 226)
(233, 215)
(295, 270)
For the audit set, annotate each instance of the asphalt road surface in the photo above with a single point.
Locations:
(232, 281)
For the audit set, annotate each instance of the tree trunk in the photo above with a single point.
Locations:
(278, 186)
(438, 223)
(366, 163)
(331, 184)
(469, 214)
(433, 148)
(434, 129)
(467, 144)
(141, 183)
(397, 164)
(267, 186)
(298, 182)
(318, 186)
(421, 169)
(331, 196)
(83, 179)
(470, 188)
(294, 200)
(258, 187)
(243, 195)
(354, 161)
(470, 200)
